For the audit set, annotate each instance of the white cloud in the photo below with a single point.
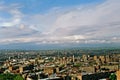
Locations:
(99, 21)
(11, 24)
(92, 24)
(15, 15)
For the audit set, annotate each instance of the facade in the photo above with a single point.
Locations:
(118, 75)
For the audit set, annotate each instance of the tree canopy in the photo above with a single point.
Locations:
(9, 76)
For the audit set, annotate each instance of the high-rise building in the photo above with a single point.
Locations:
(107, 58)
(118, 75)
(95, 58)
(73, 58)
(84, 57)
(102, 58)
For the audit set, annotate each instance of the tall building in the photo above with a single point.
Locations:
(84, 57)
(102, 58)
(107, 57)
(118, 75)
(95, 58)
(73, 58)
(119, 64)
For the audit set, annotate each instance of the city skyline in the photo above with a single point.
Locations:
(59, 23)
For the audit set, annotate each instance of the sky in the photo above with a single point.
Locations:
(27, 24)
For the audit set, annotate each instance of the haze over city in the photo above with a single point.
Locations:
(35, 24)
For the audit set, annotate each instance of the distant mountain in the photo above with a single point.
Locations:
(32, 46)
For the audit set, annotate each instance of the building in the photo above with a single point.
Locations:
(95, 58)
(49, 70)
(118, 75)
(102, 58)
(85, 58)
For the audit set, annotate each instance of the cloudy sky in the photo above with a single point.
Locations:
(33, 23)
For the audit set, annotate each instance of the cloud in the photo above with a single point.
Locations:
(17, 32)
(95, 22)
(99, 23)
(12, 11)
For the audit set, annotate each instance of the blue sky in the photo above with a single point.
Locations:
(58, 22)
(39, 6)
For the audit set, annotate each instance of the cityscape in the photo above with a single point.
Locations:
(59, 39)
(70, 64)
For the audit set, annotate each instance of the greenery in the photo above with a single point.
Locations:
(112, 76)
(77, 65)
(96, 76)
(18, 77)
(9, 76)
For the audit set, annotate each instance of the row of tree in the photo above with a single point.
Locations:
(9, 76)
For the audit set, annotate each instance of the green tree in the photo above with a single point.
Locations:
(18, 77)
(9, 76)
(112, 76)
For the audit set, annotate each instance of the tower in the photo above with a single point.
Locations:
(73, 58)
